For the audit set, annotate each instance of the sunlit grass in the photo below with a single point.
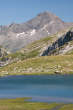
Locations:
(24, 104)
(41, 65)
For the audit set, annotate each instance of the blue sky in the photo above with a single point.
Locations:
(20, 11)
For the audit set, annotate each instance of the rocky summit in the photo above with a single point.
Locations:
(15, 36)
(41, 45)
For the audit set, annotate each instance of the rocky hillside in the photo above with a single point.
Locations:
(59, 43)
(15, 36)
(3, 52)
(41, 45)
(36, 58)
(4, 59)
(62, 45)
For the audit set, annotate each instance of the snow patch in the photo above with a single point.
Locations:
(45, 28)
(20, 34)
(48, 32)
(23, 34)
(52, 22)
(33, 32)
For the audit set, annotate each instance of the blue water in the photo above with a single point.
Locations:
(45, 88)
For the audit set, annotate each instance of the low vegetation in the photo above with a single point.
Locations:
(32, 50)
(23, 104)
(28, 60)
(61, 64)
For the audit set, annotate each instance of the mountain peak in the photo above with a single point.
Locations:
(47, 13)
(43, 13)
(16, 36)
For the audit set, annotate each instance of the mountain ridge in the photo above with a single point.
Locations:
(17, 36)
(29, 60)
(61, 45)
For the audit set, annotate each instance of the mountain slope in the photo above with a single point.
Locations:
(29, 60)
(3, 52)
(41, 65)
(41, 47)
(16, 36)
(62, 45)
(40, 54)
(36, 48)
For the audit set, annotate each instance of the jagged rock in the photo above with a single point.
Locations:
(15, 36)
(52, 49)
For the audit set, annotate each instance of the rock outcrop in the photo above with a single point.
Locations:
(56, 47)
(16, 36)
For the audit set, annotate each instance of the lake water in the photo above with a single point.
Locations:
(42, 88)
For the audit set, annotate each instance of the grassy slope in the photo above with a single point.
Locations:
(34, 49)
(29, 62)
(20, 104)
(40, 65)
(67, 107)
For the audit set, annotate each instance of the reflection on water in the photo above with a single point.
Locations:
(45, 88)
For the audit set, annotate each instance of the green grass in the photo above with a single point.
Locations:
(32, 50)
(27, 60)
(41, 65)
(67, 107)
(25, 55)
(23, 104)
(45, 41)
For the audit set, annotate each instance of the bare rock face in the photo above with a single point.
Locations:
(3, 52)
(16, 36)
(58, 47)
